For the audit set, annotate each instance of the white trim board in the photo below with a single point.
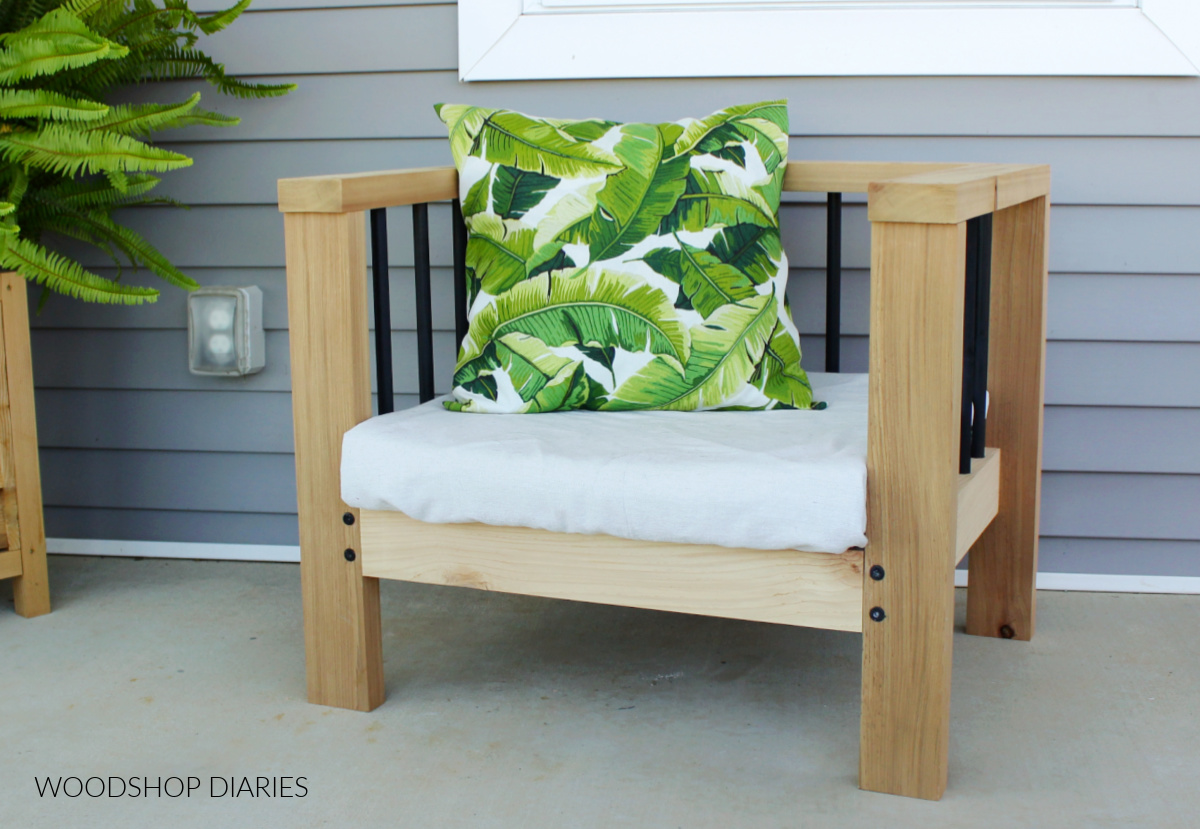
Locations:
(173, 549)
(516, 40)
(1107, 583)
(1084, 582)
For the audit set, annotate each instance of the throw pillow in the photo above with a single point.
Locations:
(621, 266)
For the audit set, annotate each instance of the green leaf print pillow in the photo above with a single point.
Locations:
(624, 266)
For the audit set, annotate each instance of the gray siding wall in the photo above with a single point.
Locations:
(134, 447)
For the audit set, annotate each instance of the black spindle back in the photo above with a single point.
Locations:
(383, 310)
(976, 311)
(424, 301)
(460, 275)
(833, 283)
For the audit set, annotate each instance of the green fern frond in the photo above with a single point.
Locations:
(204, 118)
(19, 185)
(66, 276)
(58, 149)
(58, 24)
(97, 192)
(97, 228)
(143, 119)
(9, 224)
(140, 18)
(241, 89)
(21, 13)
(56, 42)
(177, 63)
(215, 22)
(140, 251)
(41, 103)
(72, 226)
(95, 12)
(67, 160)
(118, 180)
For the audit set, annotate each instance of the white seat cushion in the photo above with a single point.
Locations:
(773, 480)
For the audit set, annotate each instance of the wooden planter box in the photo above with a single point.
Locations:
(22, 534)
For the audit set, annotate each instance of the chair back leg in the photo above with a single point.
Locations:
(1003, 562)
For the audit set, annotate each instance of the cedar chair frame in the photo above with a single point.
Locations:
(922, 515)
(22, 534)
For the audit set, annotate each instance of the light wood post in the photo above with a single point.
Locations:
(1003, 564)
(31, 589)
(331, 392)
(917, 286)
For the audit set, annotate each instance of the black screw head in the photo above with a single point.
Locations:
(1006, 632)
(348, 518)
(350, 555)
(877, 573)
(877, 614)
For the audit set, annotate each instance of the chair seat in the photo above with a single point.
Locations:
(772, 480)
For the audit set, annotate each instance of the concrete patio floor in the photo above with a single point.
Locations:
(507, 711)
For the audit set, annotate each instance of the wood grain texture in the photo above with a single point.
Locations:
(932, 188)
(978, 500)
(1021, 184)
(912, 493)
(851, 176)
(953, 195)
(819, 590)
(944, 196)
(1001, 599)
(365, 191)
(9, 515)
(331, 392)
(10, 564)
(31, 590)
(10, 506)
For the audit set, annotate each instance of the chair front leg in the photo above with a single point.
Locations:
(917, 284)
(331, 392)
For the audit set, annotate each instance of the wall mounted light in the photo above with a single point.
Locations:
(225, 331)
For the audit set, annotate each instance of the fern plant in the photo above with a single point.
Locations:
(68, 158)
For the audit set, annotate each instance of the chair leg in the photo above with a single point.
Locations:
(1001, 595)
(331, 392)
(31, 589)
(912, 502)
(342, 629)
(904, 744)
(22, 473)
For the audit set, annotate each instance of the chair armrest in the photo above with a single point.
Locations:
(853, 176)
(898, 191)
(956, 194)
(365, 191)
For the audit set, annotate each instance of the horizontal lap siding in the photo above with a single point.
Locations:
(136, 447)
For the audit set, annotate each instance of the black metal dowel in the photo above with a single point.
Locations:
(969, 342)
(983, 310)
(383, 310)
(460, 275)
(833, 283)
(424, 301)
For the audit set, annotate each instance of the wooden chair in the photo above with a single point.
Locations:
(22, 536)
(923, 513)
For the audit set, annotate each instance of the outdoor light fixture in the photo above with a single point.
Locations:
(225, 331)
